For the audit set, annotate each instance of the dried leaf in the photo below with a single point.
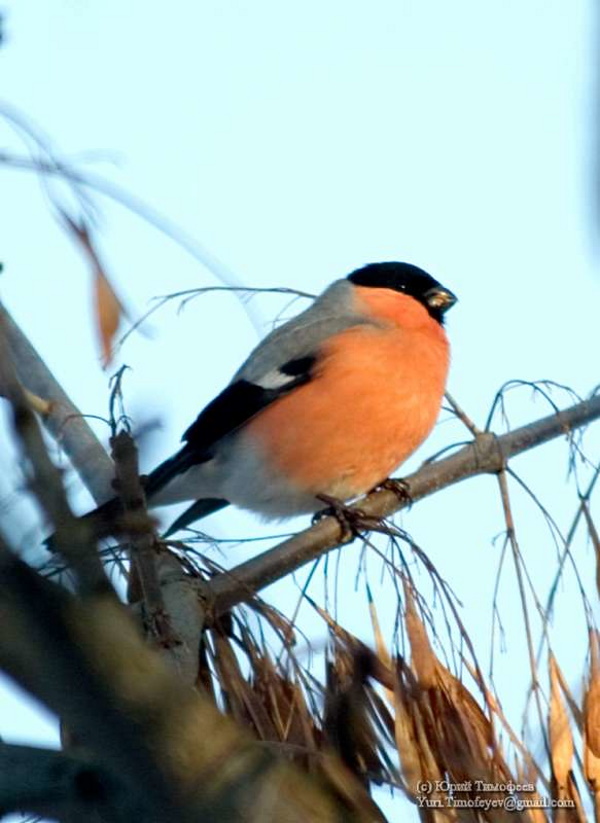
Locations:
(410, 753)
(525, 774)
(108, 314)
(576, 712)
(576, 813)
(591, 765)
(591, 703)
(423, 660)
(280, 623)
(382, 651)
(356, 797)
(347, 720)
(282, 699)
(242, 703)
(591, 755)
(108, 307)
(561, 739)
(380, 645)
(469, 709)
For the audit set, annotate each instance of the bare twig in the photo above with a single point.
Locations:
(511, 537)
(52, 167)
(172, 611)
(189, 294)
(139, 528)
(462, 415)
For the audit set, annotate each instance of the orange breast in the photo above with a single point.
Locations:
(374, 398)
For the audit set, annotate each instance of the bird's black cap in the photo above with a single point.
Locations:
(410, 280)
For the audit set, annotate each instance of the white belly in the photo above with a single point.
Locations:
(240, 475)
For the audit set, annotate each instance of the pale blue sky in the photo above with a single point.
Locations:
(297, 142)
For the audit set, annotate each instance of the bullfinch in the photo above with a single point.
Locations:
(329, 403)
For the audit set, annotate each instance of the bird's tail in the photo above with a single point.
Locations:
(108, 519)
(199, 509)
(104, 521)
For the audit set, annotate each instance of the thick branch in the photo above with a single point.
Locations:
(60, 785)
(74, 538)
(48, 646)
(177, 754)
(487, 454)
(62, 419)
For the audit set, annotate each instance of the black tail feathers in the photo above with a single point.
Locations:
(108, 520)
(199, 509)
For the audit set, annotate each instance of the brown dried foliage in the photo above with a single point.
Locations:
(408, 724)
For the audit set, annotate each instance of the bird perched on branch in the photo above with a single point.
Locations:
(327, 405)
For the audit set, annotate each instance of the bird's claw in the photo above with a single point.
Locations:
(352, 520)
(399, 487)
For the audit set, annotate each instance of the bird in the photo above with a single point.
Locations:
(327, 406)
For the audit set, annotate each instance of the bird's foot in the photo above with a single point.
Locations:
(399, 487)
(352, 520)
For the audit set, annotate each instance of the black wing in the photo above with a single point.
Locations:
(236, 405)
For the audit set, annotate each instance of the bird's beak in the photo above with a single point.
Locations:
(440, 298)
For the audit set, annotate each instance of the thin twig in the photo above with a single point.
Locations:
(140, 531)
(511, 536)
(172, 611)
(137, 207)
(462, 415)
(189, 294)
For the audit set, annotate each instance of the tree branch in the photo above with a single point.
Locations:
(61, 417)
(50, 645)
(486, 454)
(74, 538)
(172, 610)
(60, 785)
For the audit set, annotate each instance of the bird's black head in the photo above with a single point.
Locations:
(410, 280)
